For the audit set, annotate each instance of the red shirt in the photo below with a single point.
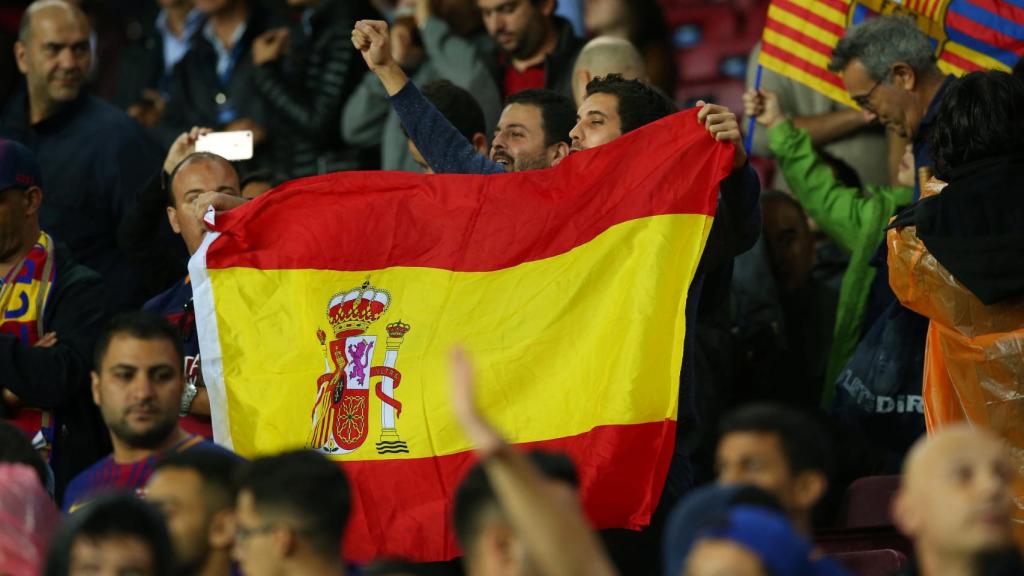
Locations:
(516, 81)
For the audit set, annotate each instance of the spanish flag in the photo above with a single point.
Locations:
(326, 310)
(968, 35)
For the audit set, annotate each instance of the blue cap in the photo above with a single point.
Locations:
(18, 166)
(769, 536)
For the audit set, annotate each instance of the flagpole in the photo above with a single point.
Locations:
(749, 142)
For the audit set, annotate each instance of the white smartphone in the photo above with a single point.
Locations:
(231, 146)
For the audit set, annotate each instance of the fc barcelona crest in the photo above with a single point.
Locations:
(340, 422)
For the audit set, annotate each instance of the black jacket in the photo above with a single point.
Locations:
(195, 87)
(557, 65)
(305, 92)
(57, 378)
(94, 160)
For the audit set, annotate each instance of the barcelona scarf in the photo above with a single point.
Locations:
(326, 310)
(23, 296)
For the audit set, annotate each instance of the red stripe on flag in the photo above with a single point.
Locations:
(960, 61)
(984, 33)
(359, 221)
(809, 16)
(413, 498)
(792, 59)
(811, 43)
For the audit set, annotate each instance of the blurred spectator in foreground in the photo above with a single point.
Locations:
(291, 515)
(52, 310)
(957, 257)
(138, 386)
(147, 64)
(27, 520)
(642, 22)
(213, 84)
(195, 491)
(955, 503)
(512, 516)
(305, 75)
(94, 157)
(781, 451)
(118, 534)
(749, 541)
(602, 56)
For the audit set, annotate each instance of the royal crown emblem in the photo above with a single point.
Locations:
(340, 422)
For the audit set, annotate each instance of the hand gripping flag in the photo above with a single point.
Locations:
(968, 35)
(326, 310)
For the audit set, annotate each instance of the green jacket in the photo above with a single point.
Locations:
(855, 221)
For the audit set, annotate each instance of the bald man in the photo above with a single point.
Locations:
(602, 56)
(94, 158)
(955, 503)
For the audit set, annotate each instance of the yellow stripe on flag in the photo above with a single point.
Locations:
(948, 68)
(983, 60)
(786, 69)
(794, 47)
(824, 11)
(799, 24)
(538, 321)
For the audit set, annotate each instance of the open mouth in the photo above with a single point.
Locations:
(502, 159)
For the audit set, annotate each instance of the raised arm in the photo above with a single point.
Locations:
(556, 535)
(445, 149)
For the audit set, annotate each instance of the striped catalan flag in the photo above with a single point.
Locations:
(327, 307)
(968, 35)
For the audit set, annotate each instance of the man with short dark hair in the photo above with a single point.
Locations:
(50, 311)
(119, 534)
(889, 68)
(94, 156)
(488, 540)
(291, 515)
(615, 106)
(537, 48)
(138, 386)
(195, 491)
(779, 450)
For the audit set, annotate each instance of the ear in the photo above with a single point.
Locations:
(480, 143)
(221, 533)
(903, 76)
(34, 198)
(557, 151)
(21, 56)
(904, 515)
(502, 543)
(172, 218)
(547, 7)
(97, 396)
(810, 488)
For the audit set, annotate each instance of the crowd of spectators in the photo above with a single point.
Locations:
(858, 310)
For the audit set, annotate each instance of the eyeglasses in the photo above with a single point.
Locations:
(864, 100)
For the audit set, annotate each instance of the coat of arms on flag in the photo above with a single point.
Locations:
(340, 421)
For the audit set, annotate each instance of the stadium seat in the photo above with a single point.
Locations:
(873, 562)
(867, 501)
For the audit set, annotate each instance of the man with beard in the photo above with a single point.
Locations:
(137, 384)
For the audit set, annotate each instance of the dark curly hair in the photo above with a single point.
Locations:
(981, 116)
(639, 103)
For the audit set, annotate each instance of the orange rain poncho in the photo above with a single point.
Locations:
(974, 356)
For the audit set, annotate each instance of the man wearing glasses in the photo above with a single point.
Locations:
(888, 67)
(291, 516)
